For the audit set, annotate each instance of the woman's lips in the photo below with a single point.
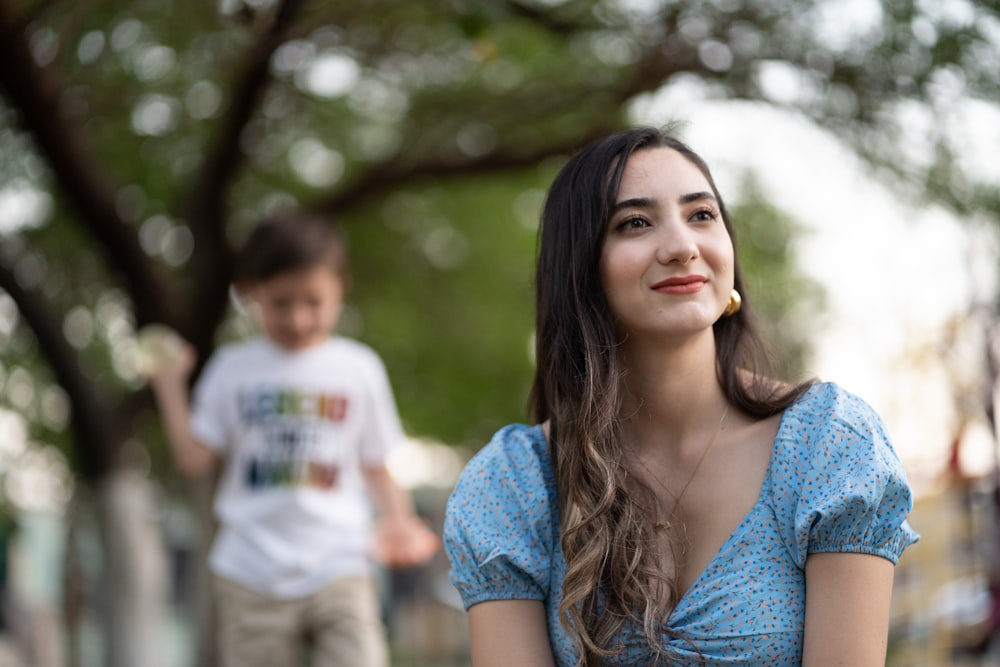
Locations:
(681, 285)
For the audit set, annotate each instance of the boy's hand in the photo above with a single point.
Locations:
(163, 356)
(404, 541)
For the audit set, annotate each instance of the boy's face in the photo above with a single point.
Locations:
(299, 308)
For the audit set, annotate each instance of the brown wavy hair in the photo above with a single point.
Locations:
(613, 578)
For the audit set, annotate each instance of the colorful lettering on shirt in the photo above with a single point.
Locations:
(268, 474)
(296, 438)
(264, 404)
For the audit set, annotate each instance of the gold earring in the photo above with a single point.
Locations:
(734, 305)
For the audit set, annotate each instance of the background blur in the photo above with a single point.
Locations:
(855, 141)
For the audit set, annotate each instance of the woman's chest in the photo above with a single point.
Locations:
(747, 606)
(729, 490)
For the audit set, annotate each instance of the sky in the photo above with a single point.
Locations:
(895, 273)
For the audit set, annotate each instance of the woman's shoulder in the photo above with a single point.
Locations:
(831, 438)
(517, 452)
(829, 430)
(506, 493)
(510, 478)
(836, 483)
(501, 525)
(827, 405)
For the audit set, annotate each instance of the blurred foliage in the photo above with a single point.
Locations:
(442, 284)
(785, 299)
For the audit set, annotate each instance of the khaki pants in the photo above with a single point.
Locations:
(342, 621)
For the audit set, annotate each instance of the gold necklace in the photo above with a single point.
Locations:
(667, 525)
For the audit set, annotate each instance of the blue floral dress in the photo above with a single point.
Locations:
(833, 484)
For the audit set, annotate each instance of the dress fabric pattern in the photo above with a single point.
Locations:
(833, 484)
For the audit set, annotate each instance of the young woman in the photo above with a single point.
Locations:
(674, 504)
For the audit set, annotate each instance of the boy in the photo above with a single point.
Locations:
(304, 421)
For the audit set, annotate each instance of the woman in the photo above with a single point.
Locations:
(674, 504)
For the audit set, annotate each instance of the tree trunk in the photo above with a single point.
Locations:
(135, 571)
(203, 492)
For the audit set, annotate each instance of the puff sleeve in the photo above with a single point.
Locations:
(838, 484)
(501, 525)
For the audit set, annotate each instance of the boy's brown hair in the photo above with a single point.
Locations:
(290, 240)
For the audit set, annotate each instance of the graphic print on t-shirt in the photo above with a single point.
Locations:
(294, 437)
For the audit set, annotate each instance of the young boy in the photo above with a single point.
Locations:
(303, 421)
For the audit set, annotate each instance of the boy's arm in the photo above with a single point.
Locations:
(170, 387)
(402, 538)
(391, 500)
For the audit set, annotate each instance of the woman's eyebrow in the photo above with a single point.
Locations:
(696, 196)
(634, 202)
(650, 202)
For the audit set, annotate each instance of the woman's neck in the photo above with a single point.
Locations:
(671, 392)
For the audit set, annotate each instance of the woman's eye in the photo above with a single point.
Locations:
(632, 223)
(704, 215)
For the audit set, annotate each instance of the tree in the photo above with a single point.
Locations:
(149, 135)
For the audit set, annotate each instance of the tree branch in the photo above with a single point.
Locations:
(656, 65)
(205, 205)
(394, 173)
(93, 431)
(35, 93)
(548, 19)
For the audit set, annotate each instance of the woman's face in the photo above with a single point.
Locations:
(667, 261)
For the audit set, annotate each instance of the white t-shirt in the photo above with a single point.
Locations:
(295, 429)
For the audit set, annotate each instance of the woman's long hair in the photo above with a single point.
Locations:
(613, 575)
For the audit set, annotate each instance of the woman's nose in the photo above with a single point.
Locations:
(676, 243)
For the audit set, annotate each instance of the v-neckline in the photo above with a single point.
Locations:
(740, 527)
(699, 581)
